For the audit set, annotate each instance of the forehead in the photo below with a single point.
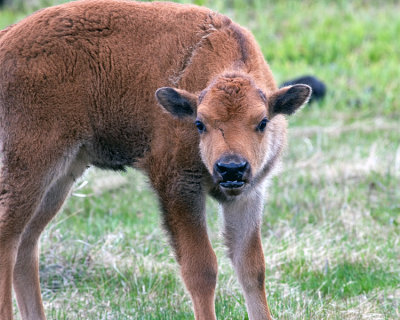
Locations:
(232, 97)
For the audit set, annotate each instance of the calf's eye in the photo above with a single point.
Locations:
(200, 126)
(261, 126)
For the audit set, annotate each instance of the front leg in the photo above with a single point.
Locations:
(184, 219)
(242, 221)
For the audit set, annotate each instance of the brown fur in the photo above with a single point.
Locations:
(77, 84)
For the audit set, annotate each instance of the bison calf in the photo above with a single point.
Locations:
(115, 84)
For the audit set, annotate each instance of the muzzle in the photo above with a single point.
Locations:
(231, 172)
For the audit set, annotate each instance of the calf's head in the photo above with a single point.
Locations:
(232, 117)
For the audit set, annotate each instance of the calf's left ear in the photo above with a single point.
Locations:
(179, 103)
(288, 100)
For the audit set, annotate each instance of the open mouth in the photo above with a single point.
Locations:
(231, 184)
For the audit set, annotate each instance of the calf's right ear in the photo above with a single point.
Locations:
(179, 103)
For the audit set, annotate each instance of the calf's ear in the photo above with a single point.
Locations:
(288, 100)
(179, 103)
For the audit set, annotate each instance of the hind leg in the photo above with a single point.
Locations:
(20, 196)
(26, 270)
(8, 249)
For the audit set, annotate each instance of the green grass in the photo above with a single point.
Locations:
(331, 231)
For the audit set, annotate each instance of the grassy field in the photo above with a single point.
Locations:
(331, 227)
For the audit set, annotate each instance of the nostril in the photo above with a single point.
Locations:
(221, 167)
(232, 170)
(242, 166)
(226, 167)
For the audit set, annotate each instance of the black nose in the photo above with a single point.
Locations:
(231, 171)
